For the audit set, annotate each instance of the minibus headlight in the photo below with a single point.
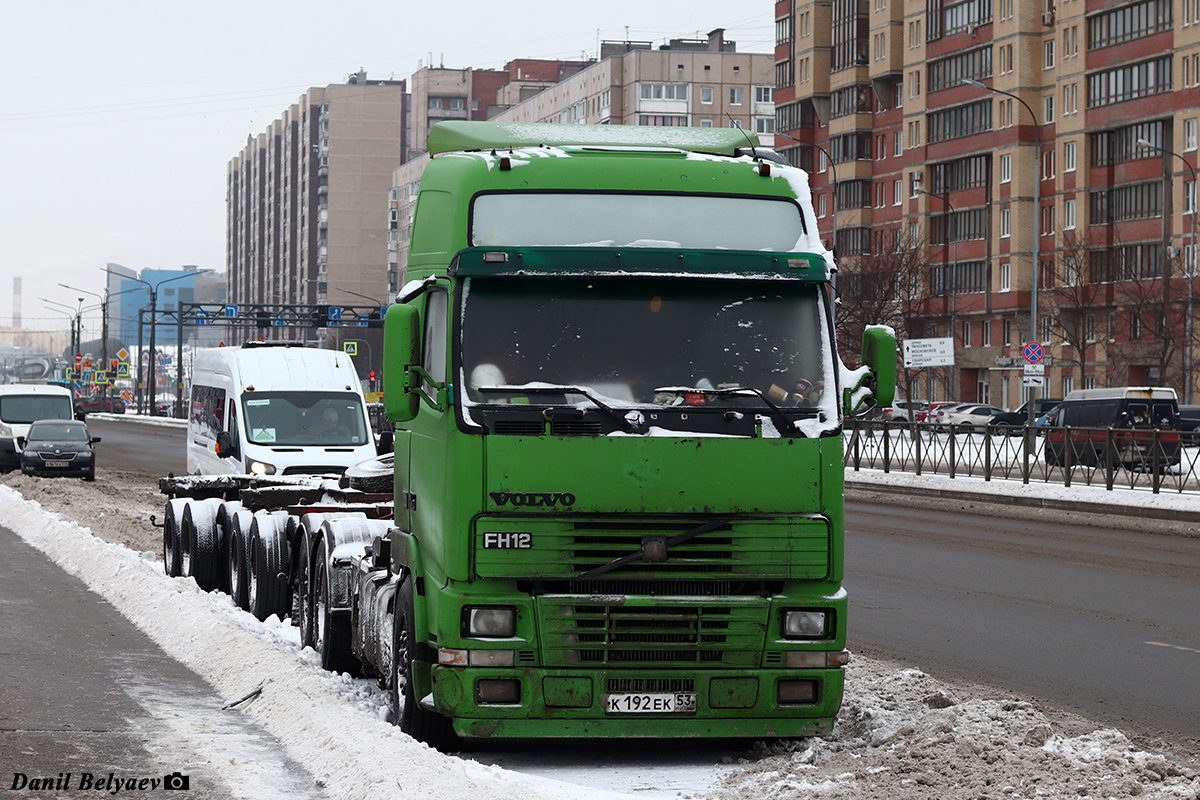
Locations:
(260, 468)
(491, 623)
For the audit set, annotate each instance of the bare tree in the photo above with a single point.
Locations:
(1152, 321)
(1077, 287)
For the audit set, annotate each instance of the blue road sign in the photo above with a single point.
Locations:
(1034, 352)
(231, 311)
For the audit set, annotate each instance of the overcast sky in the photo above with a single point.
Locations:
(120, 117)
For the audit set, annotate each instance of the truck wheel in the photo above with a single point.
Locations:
(172, 541)
(421, 724)
(235, 563)
(331, 632)
(198, 550)
(302, 587)
(267, 549)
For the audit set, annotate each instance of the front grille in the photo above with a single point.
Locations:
(56, 456)
(314, 469)
(632, 632)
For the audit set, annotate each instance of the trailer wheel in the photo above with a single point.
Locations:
(331, 632)
(267, 550)
(423, 725)
(198, 540)
(302, 587)
(172, 540)
(235, 564)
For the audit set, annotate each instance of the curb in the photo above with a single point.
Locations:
(1170, 514)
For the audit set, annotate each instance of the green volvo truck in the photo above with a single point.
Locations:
(618, 453)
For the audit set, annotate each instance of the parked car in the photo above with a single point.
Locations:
(1019, 417)
(969, 417)
(931, 414)
(57, 447)
(93, 404)
(899, 410)
(1189, 418)
(941, 417)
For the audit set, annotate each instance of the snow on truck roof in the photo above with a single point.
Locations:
(457, 135)
(280, 368)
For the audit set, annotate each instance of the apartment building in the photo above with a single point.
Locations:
(1004, 171)
(686, 82)
(304, 219)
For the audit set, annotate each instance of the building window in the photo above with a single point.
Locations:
(897, 192)
(1005, 223)
(960, 121)
(948, 72)
(1189, 134)
(706, 122)
(1048, 108)
(1121, 145)
(665, 91)
(1047, 220)
(1006, 286)
(764, 94)
(987, 333)
(764, 125)
(966, 333)
(1069, 156)
(706, 95)
(1129, 22)
(898, 143)
(1130, 82)
(1112, 326)
(735, 95)
(1048, 54)
(1122, 203)
(664, 120)
(1089, 328)
(1006, 168)
(1069, 214)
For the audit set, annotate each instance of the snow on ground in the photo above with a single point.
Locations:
(901, 733)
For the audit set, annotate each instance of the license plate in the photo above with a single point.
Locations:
(650, 703)
(58, 463)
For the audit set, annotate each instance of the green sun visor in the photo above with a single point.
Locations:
(576, 261)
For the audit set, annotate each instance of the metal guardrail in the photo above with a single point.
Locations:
(1161, 461)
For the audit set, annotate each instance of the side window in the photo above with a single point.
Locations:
(1164, 416)
(1139, 415)
(434, 358)
(233, 431)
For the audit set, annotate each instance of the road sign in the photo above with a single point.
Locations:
(1033, 382)
(921, 353)
(351, 348)
(231, 311)
(335, 312)
(122, 370)
(101, 377)
(78, 357)
(123, 354)
(1034, 352)
(87, 362)
(201, 316)
(1038, 370)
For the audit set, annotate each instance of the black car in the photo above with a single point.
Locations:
(1019, 417)
(58, 447)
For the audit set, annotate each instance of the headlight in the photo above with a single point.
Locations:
(805, 624)
(260, 468)
(490, 623)
(5, 430)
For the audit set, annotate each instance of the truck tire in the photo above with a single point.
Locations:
(302, 603)
(331, 632)
(423, 725)
(373, 476)
(237, 558)
(267, 549)
(198, 539)
(172, 540)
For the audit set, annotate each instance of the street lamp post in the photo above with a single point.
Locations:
(1188, 269)
(1037, 233)
(945, 198)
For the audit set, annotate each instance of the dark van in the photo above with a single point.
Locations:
(1116, 427)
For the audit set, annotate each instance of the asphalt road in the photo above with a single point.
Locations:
(1100, 622)
(138, 446)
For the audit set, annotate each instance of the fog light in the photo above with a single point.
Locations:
(492, 658)
(498, 692)
(795, 692)
(491, 623)
(805, 624)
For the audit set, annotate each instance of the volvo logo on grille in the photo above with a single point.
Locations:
(535, 499)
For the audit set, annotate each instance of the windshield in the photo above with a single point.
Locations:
(22, 409)
(595, 219)
(330, 419)
(58, 432)
(643, 341)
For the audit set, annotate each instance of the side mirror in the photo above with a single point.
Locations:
(21, 442)
(401, 350)
(94, 440)
(225, 447)
(876, 378)
(386, 442)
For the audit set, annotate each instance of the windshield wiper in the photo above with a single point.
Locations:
(633, 422)
(655, 548)
(786, 424)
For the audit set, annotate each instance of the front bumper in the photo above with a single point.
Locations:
(567, 703)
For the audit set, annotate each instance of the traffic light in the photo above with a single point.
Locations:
(372, 380)
(114, 365)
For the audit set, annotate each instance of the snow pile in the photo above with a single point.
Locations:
(903, 734)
